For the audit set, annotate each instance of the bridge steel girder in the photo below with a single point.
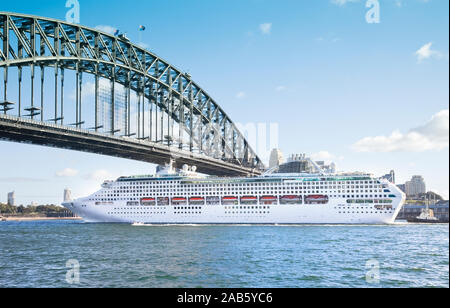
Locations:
(65, 46)
(38, 133)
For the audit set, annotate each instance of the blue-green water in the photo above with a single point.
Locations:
(34, 254)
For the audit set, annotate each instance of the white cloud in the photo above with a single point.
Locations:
(240, 95)
(107, 29)
(99, 175)
(343, 2)
(434, 135)
(425, 52)
(266, 28)
(280, 88)
(331, 38)
(326, 157)
(67, 173)
(322, 155)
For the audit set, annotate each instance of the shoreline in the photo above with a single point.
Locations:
(19, 219)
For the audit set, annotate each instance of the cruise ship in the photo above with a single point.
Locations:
(298, 192)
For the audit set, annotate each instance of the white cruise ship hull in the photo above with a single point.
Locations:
(332, 213)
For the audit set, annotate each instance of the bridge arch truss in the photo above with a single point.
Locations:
(169, 109)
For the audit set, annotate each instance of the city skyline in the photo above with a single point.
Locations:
(321, 60)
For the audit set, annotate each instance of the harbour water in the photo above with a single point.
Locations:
(35, 254)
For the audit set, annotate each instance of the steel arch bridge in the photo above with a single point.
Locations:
(143, 108)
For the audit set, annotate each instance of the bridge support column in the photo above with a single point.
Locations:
(42, 92)
(5, 80)
(128, 106)
(20, 91)
(167, 103)
(200, 135)
(96, 99)
(191, 98)
(191, 127)
(162, 117)
(143, 112)
(169, 114)
(77, 95)
(150, 122)
(6, 54)
(181, 116)
(139, 132)
(113, 107)
(62, 97)
(32, 92)
(156, 114)
(56, 92)
(172, 121)
(81, 101)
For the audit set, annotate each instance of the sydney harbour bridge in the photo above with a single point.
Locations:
(78, 88)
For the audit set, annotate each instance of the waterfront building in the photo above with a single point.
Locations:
(276, 159)
(416, 186)
(440, 210)
(12, 198)
(67, 195)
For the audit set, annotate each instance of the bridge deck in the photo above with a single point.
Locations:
(38, 133)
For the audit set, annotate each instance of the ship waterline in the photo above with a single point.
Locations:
(188, 198)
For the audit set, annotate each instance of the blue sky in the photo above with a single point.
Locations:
(370, 97)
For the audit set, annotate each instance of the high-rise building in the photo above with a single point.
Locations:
(416, 186)
(390, 177)
(276, 159)
(12, 198)
(67, 195)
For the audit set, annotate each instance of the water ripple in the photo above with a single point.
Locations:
(34, 254)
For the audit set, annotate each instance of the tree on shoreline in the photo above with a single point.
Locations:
(31, 210)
